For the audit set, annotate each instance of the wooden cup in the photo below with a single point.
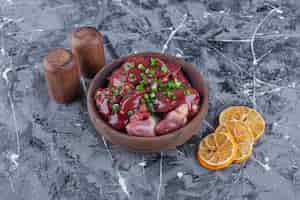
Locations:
(62, 75)
(87, 46)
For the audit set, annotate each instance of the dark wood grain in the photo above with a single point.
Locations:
(87, 46)
(62, 75)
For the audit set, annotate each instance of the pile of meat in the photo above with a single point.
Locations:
(147, 97)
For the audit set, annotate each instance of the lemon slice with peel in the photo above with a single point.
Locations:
(242, 136)
(249, 116)
(217, 151)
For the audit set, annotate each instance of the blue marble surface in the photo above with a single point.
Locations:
(248, 51)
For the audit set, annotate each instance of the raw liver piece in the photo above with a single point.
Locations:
(102, 98)
(118, 121)
(141, 124)
(174, 120)
(164, 104)
(193, 100)
(118, 77)
(131, 103)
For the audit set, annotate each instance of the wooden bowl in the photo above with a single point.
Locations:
(148, 144)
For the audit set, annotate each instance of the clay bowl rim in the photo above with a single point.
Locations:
(92, 110)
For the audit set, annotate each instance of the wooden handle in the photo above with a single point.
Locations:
(87, 46)
(62, 75)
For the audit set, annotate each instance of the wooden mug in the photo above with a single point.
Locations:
(62, 75)
(87, 46)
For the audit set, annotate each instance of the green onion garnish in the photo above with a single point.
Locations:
(164, 69)
(147, 97)
(130, 113)
(116, 91)
(174, 84)
(153, 62)
(177, 83)
(157, 80)
(150, 71)
(150, 107)
(131, 76)
(143, 82)
(141, 67)
(152, 95)
(140, 87)
(170, 85)
(115, 107)
(162, 85)
(127, 87)
(127, 66)
(168, 93)
(154, 87)
(187, 92)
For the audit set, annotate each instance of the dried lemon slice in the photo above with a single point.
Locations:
(242, 136)
(244, 152)
(249, 116)
(217, 151)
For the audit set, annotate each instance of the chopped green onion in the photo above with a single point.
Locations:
(115, 107)
(177, 83)
(146, 96)
(162, 85)
(150, 71)
(141, 67)
(170, 85)
(127, 66)
(187, 92)
(116, 91)
(152, 95)
(157, 80)
(150, 107)
(153, 62)
(127, 87)
(168, 93)
(142, 82)
(130, 113)
(174, 84)
(140, 87)
(164, 69)
(131, 76)
(154, 87)
(144, 79)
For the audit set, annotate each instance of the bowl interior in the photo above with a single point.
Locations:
(100, 80)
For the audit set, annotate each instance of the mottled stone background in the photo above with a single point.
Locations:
(248, 51)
